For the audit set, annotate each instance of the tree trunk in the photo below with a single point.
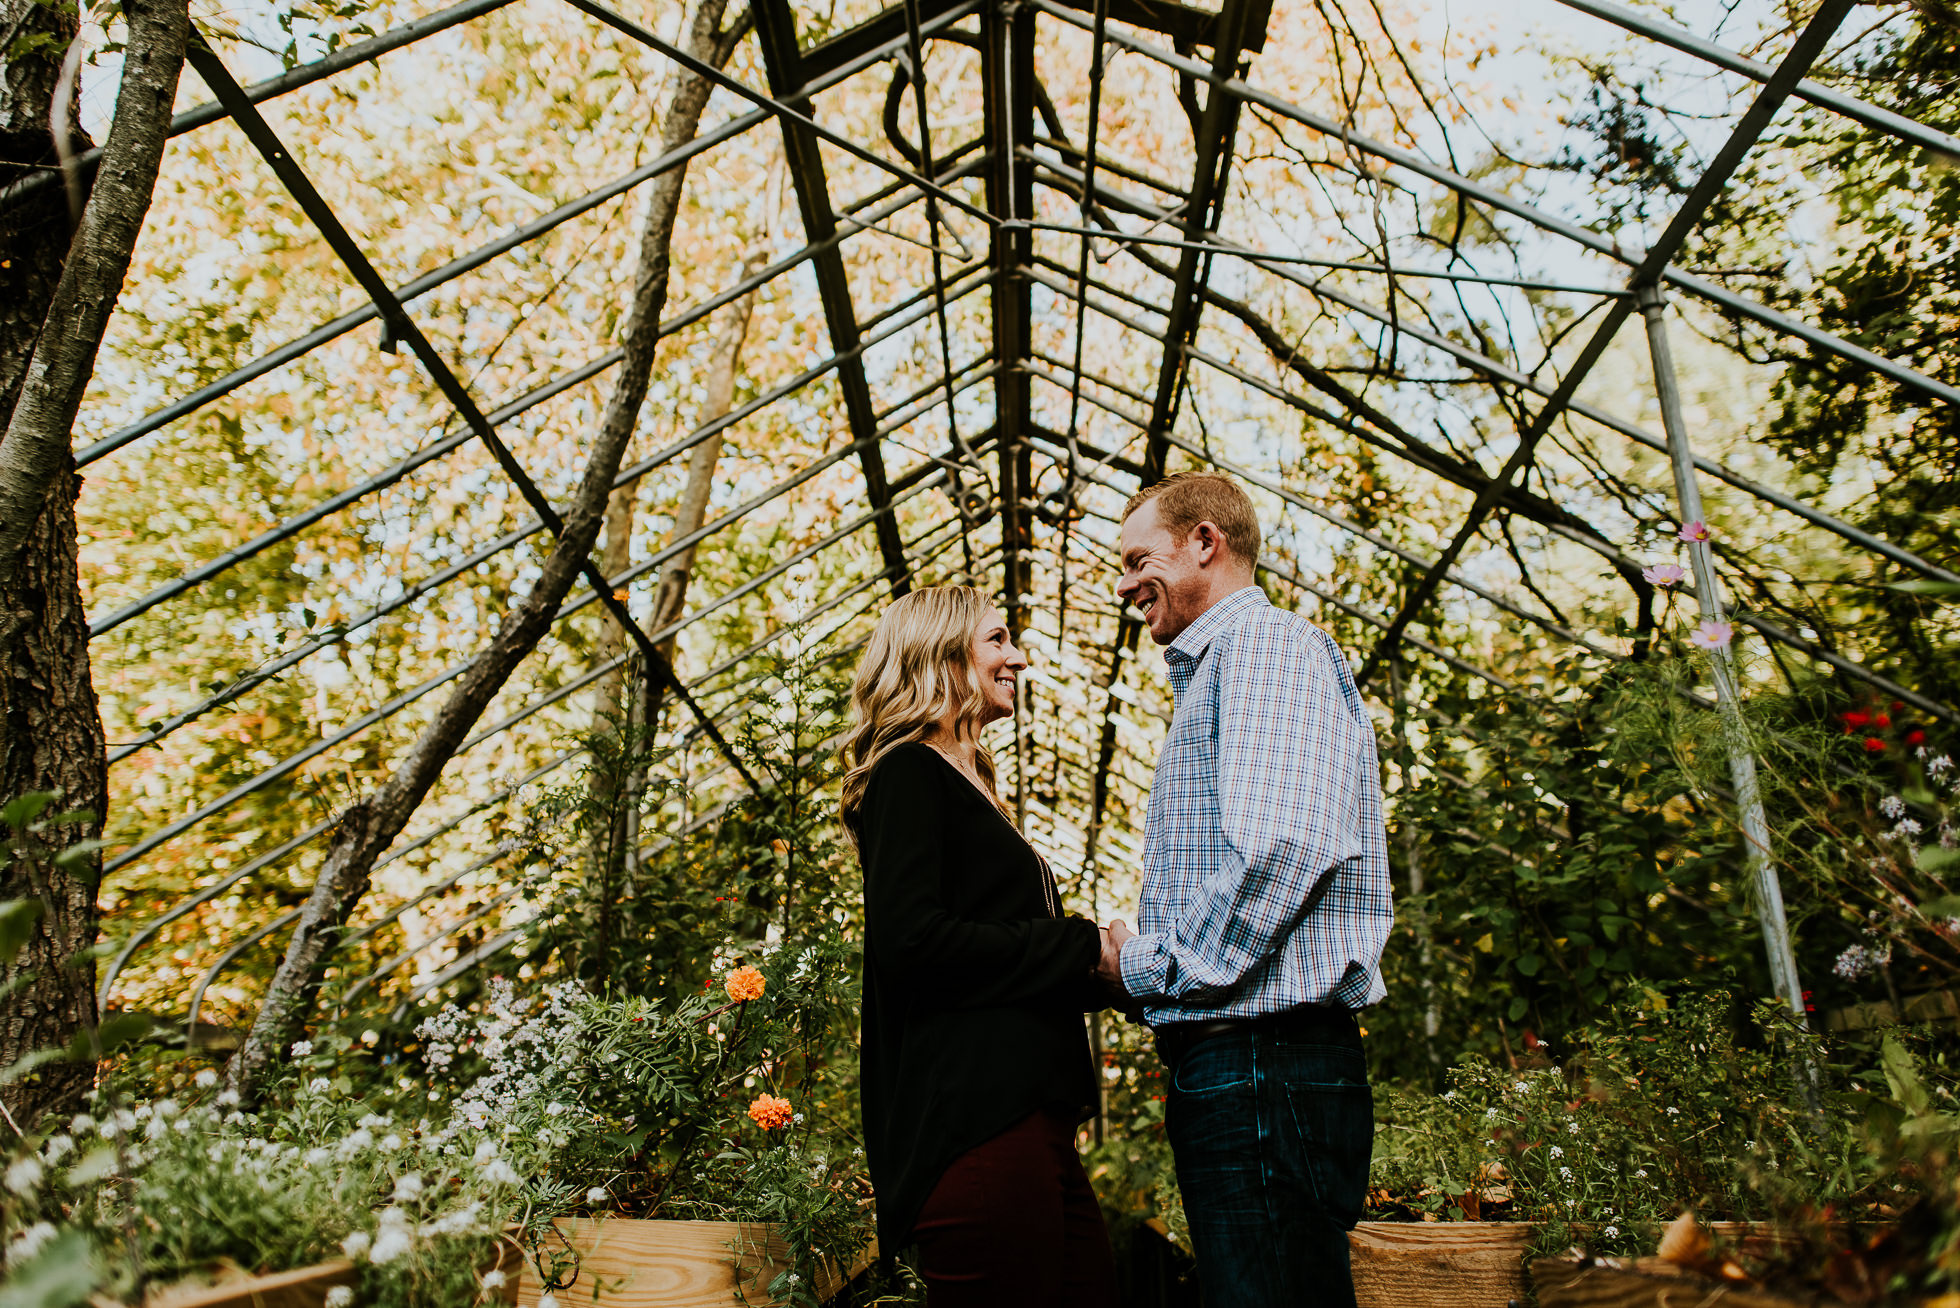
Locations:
(35, 453)
(52, 742)
(366, 829)
(624, 697)
(50, 730)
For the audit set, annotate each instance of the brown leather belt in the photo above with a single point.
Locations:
(1176, 1039)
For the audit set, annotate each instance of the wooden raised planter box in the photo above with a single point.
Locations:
(627, 1262)
(1439, 1264)
(303, 1287)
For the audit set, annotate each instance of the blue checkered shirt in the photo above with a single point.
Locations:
(1265, 858)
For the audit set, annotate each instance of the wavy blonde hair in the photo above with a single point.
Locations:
(917, 666)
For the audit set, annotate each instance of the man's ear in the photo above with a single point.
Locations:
(1209, 542)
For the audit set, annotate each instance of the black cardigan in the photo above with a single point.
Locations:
(973, 991)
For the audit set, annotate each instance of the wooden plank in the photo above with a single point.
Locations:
(630, 1263)
(1649, 1284)
(304, 1287)
(1439, 1264)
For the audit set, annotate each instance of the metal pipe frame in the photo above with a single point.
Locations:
(1496, 370)
(1213, 134)
(1721, 661)
(789, 115)
(775, 27)
(604, 589)
(509, 539)
(483, 254)
(1596, 544)
(150, 929)
(497, 418)
(1011, 155)
(1909, 130)
(1498, 200)
(1652, 266)
(340, 60)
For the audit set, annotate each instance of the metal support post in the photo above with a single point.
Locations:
(1742, 759)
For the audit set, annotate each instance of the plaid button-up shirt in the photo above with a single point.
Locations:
(1265, 858)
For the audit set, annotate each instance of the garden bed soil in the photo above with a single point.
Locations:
(304, 1287)
(1439, 1264)
(637, 1263)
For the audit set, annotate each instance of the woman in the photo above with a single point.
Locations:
(976, 1068)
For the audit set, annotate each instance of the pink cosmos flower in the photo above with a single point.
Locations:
(1664, 574)
(1712, 635)
(1695, 531)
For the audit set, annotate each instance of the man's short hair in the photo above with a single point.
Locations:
(1185, 499)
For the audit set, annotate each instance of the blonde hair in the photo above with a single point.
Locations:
(1185, 499)
(917, 666)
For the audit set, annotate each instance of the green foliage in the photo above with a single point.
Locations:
(122, 1198)
(658, 1108)
(770, 865)
(1657, 1111)
(1572, 856)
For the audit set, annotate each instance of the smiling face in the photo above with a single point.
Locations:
(1169, 580)
(997, 664)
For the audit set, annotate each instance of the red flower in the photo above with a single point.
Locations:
(1881, 721)
(1873, 745)
(1898, 704)
(1855, 718)
(1915, 737)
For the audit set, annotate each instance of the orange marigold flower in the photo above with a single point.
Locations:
(744, 984)
(769, 1112)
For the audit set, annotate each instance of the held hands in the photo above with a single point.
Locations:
(1109, 968)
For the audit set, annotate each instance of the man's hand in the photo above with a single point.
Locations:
(1110, 966)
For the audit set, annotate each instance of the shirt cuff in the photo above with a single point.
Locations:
(1145, 966)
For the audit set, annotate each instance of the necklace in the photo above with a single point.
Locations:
(967, 770)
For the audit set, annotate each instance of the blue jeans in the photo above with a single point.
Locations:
(1272, 1136)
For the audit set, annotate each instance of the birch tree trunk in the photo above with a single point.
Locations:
(731, 328)
(56, 294)
(625, 698)
(371, 824)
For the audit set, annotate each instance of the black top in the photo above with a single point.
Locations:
(973, 989)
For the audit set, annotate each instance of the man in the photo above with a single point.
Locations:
(1265, 906)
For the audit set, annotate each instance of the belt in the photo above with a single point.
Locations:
(1176, 1039)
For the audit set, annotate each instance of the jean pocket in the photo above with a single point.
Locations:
(1336, 1125)
(1213, 1068)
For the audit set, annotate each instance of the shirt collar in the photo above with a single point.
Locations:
(1195, 639)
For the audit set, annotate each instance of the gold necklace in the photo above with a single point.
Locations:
(965, 768)
(1048, 896)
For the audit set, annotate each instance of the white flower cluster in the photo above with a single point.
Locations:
(1892, 806)
(530, 1055)
(29, 1242)
(397, 1233)
(1861, 960)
